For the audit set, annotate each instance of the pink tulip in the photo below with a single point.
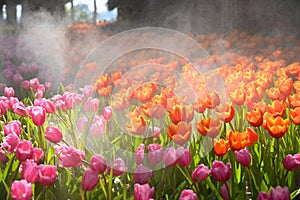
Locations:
(224, 192)
(139, 154)
(263, 196)
(13, 127)
(169, 157)
(221, 171)
(155, 153)
(280, 193)
(3, 107)
(47, 174)
(3, 156)
(34, 83)
(291, 163)
(142, 174)
(91, 105)
(118, 167)
(183, 156)
(30, 171)
(188, 195)
(38, 115)
(26, 85)
(20, 109)
(17, 79)
(89, 180)
(21, 190)
(243, 157)
(9, 92)
(98, 163)
(87, 90)
(10, 142)
(98, 126)
(107, 113)
(37, 154)
(81, 123)
(143, 192)
(24, 150)
(200, 173)
(70, 156)
(53, 134)
(46, 104)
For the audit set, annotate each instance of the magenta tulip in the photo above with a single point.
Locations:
(280, 193)
(107, 113)
(200, 173)
(13, 127)
(24, 150)
(139, 154)
(291, 163)
(90, 179)
(37, 154)
(53, 134)
(183, 156)
(243, 157)
(169, 157)
(118, 167)
(263, 196)
(98, 163)
(188, 195)
(10, 142)
(9, 92)
(38, 115)
(155, 153)
(30, 171)
(143, 192)
(47, 174)
(221, 171)
(142, 174)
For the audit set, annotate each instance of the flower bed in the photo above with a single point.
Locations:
(140, 133)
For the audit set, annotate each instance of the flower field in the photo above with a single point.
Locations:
(152, 124)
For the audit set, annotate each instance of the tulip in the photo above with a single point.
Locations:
(180, 113)
(47, 174)
(255, 117)
(294, 100)
(280, 193)
(118, 166)
(142, 174)
(69, 156)
(143, 192)
(90, 179)
(21, 190)
(46, 104)
(98, 163)
(221, 147)
(38, 115)
(107, 113)
(20, 109)
(169, 157)
(139, 154)
(199, 105)
(37, 154)
(103, 80)
(183, 156)
(9, 92)
(91, 105)
(87, 90)
(53, 134)
(276, 126)
(155, 153)
(238, 96)
(277, 108)
(243, 157)
(221, 171)
(24, 150)
(179, 133)
(291, 163)
(3, 156)
(81, 123)
(98, 126)
(188, 194)
(210, 127)
(224, 192)
(263, 196)
(30, 171)
(25, 85)
(137, 125)
(200, 173)
(225, 112)
(295, 115)
(13, 127)
(212, 100)
(10, 142)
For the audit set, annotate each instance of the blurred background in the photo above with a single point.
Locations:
(201, 16)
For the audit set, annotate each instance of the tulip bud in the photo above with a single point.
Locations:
(38, 115)
(183, 156)
(21, 190)
(279, 193)
(107, 113)
(139, 154)
(24, 150)
(142, 174)
(169, 157)
(47, 174)
(30, 171)
(98, 163)
(155, 153)
(143, 192)
(200, 173)
(243, 157)
(188, 194)
(89, 180)
(53, 134)
(221, 171)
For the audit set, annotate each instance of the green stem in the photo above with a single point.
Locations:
(213, 188)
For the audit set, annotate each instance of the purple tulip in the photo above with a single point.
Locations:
(221, 171)
(169, 157)
(280, 193)
(291, 163)
(263, 196)
(243, 157)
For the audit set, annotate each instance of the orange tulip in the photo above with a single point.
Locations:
(221, 147)
(274, 93)
(103, 81)
(199, 105)
(294, 100)
(296, 86)
(105, 91)
(238, 96)
(210, 127)
(277, 108)
(258, 106)
(116, 76)
(159, 100)
(120, 101)
(212, 100)
(137, 125)
(239, 140)
(255, 117)
(285, 86)
(275, 125)
(180, 133)
(144, 94)
(181, 113)
(295, 115)
(225, 112)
